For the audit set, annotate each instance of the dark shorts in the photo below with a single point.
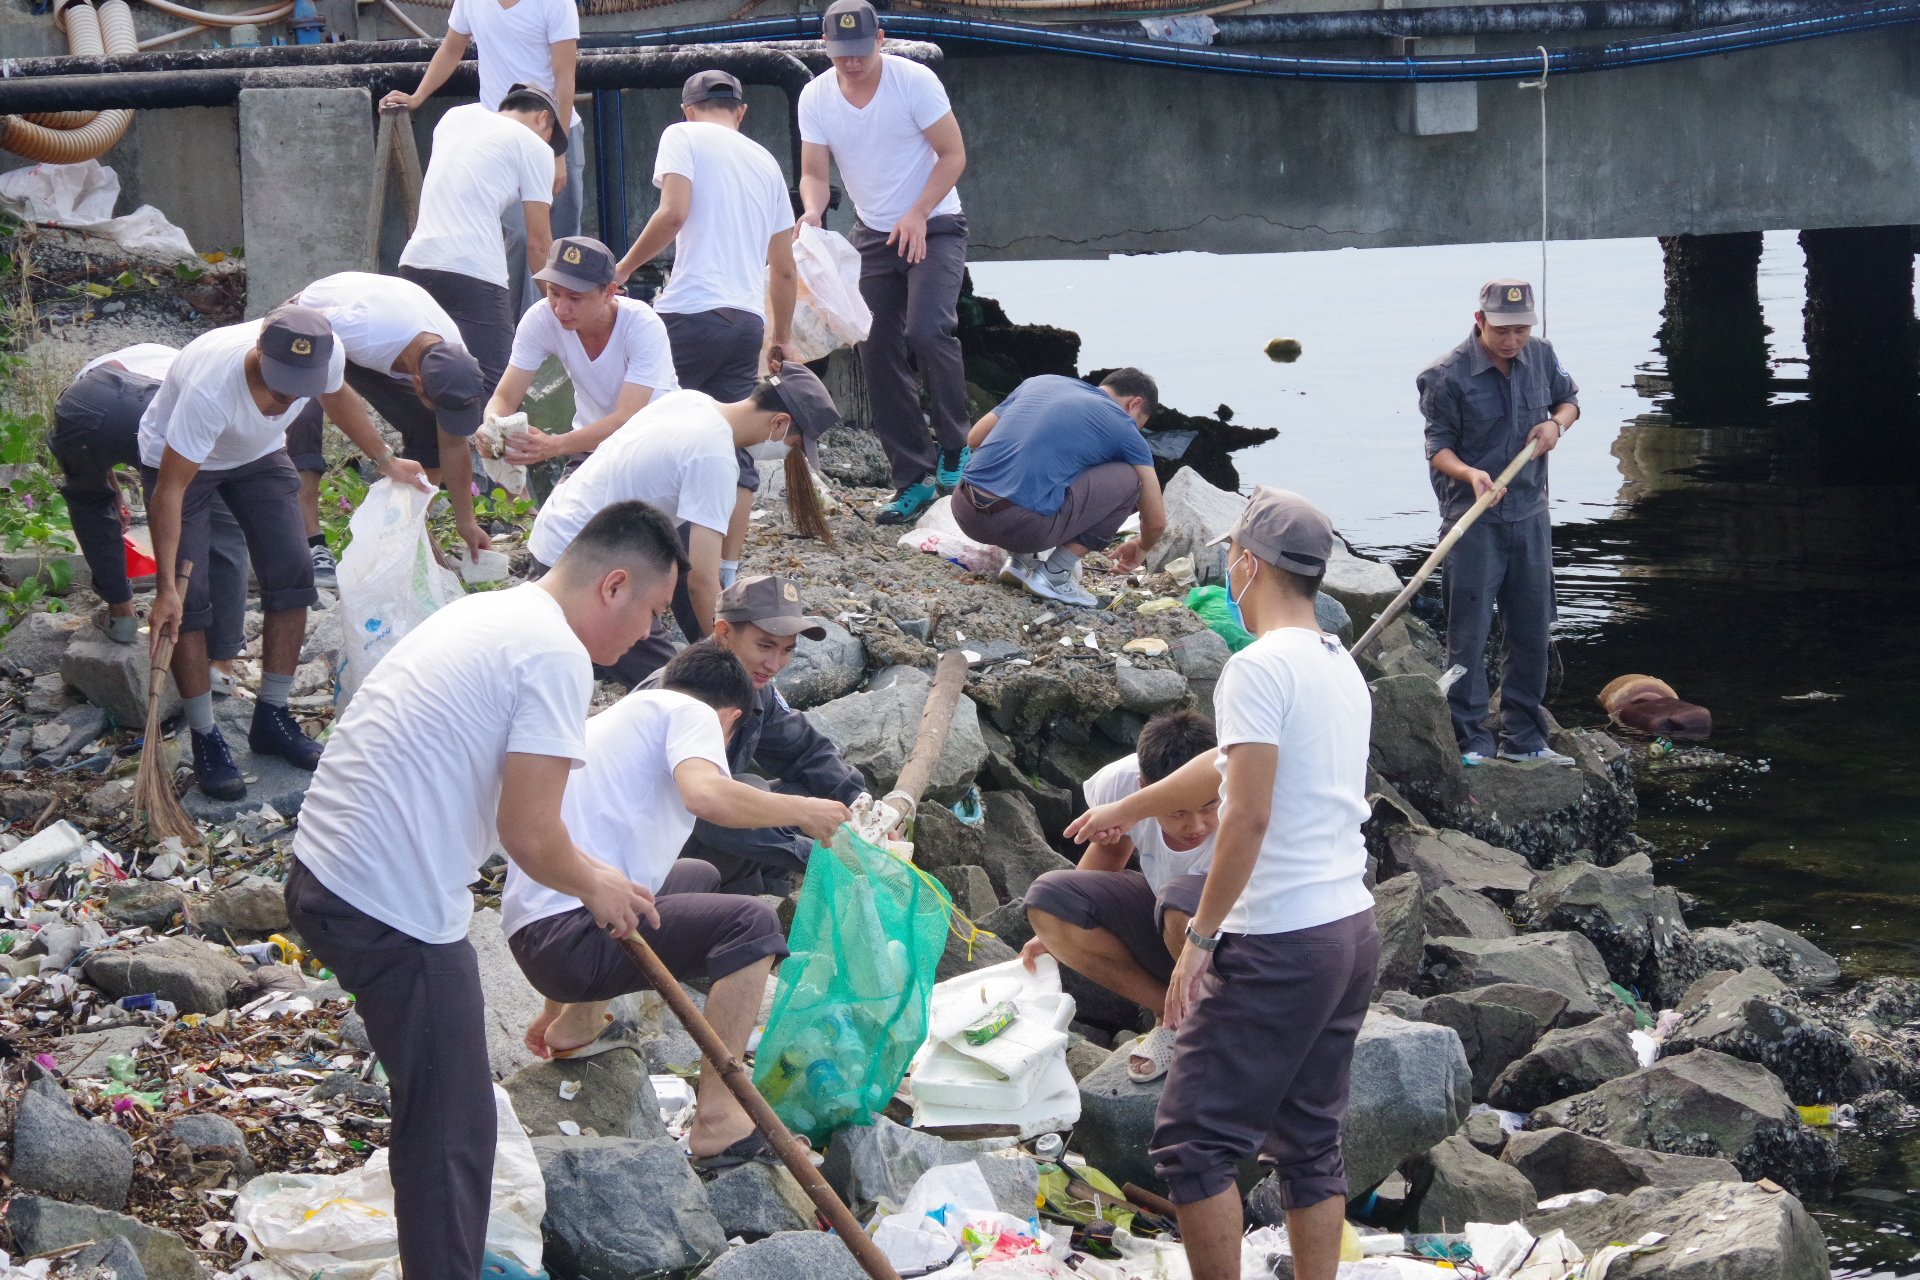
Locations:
(1096, 504)
(96, 426)
(306, 443)
(1122, 903)
(1261, 1063)
(481, 309)
(394, 399)
(702, 934)
(264, 497)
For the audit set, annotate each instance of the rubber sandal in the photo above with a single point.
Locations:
(752, 1149)
(615, 1035)
(1157, 1048)
(497, 1266)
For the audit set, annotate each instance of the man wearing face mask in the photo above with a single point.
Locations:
(1483, 401)
(678, 454)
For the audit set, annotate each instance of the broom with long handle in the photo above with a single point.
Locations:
(154, 800)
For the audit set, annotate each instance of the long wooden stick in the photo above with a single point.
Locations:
(792, 1151)
(1447, 544)
(949, 678)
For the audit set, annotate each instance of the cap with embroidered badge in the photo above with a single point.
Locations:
(771, 603)
(579, 263)
(1507, 302)
(558, 139)
(712, 86)
(1284, 529)
(807, 399)
(452, 380)
(296, 347)
(850, 28)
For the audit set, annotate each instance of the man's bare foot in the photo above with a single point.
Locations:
(709, 1138)
(574, 1027)
(536, 1037)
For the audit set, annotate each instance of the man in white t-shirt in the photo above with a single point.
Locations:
(218, 427)
(677, 453)
(406, 357)
(724, 207)
(1269, 993)
(528, 42)
(613, 348)
(656, 761)
(1124, 928)
(485, 165)
(464, 738)
(888, 125)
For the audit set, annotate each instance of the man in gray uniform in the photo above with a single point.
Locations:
(760, 620)
(1482, 402)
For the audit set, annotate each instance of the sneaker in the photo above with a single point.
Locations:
(909, 503)
(276, 733)
(1472, 759)
(952, 463)
(1018, 568)
(213, 766)
(1545, 755)
(326, 573)
(1045, 582)
(119, 630)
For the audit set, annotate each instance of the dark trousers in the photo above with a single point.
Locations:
(481, 311)
(264, 498)
(1510, 565)
(915, 312)
(657, 648)
(563, 219)
(425, 1015)
(717, 352)
(1098, 502)
(752, 860)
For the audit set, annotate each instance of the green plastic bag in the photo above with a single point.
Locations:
(1216, 611)
(851, 1008)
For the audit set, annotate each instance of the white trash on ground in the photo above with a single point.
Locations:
(828, 311)
(80, 197)
(1020, 1076)
(389, 580)
(938, 534)
(950, 1223)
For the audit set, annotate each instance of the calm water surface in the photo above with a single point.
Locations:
(1748, 556)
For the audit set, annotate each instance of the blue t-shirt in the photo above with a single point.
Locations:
(1051, 429)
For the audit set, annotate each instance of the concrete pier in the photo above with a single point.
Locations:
(1863, 352)
(1712, 332)
(306, 180)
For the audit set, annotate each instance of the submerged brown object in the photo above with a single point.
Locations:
(1650, 705)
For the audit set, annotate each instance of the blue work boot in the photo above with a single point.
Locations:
(275, 732)
(213, 767)
(909, 503)
(953, 462)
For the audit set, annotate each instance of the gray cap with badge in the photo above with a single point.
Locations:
(771, 603)
(1507, 302)
(296, 348)
(579, 263)
(712, 86)
(850, 28)
(1284, 529)
(451, 378)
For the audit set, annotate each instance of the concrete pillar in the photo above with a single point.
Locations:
(306, 179)
(1713, 334)
(1432, 109)
(1861, 349)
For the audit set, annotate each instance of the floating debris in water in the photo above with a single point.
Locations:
(1283, 350)
(1815, 696)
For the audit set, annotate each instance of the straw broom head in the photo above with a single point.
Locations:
(153, 798)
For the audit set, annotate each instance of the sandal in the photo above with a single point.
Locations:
(617, 1034)
(498, 1266)
(1156, 1047)
(755, 1148)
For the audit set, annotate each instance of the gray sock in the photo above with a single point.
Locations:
(1061, 562)
(199, 711)
(275, 690)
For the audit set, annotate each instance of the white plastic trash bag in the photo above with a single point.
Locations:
(341, 1226)
(828, 311)
(938, 534)
(389, 580)
(80, 197)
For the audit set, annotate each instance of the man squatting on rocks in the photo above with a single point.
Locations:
(1482, 402)
(1268, 995)
(461, 738)
(759, 621)
(724, 208)
(655, 761)
(217, 427)
(678, 453)
(889, 126)
(1059, 466)
(1124, 928)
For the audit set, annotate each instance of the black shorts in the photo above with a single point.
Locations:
(264, 497)
(305, 439)
(394, 399)
(1124, 904)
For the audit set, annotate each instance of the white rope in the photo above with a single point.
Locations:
(1540, 294)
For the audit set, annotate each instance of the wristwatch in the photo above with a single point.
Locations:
(381, 459)
(1206, 942)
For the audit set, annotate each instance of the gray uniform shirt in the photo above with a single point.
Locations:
(1484, 416)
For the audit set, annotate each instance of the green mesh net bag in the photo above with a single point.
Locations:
(851, 1008)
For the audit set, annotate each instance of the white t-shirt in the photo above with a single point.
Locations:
(515, 45)
(204, 410)
(739, 203)
(1301, 692)
(377, 317)
(404, 806)
(637, 351)
(145, 359)
(482, 165)
(624, 807)
(882, 148)
(1158, 863)
(676, 453)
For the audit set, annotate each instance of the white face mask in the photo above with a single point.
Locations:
(768, 451)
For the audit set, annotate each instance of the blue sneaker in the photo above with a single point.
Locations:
(275, 732)
(909, 503)
(1472, 759)
(952, 463)
(213, 766)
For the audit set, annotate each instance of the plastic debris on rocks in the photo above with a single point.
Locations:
(1018, 1076)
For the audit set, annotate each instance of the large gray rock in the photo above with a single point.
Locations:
(1557, 1161)
(152, 903)
(1200, 655)
(822, 670)
(1116, 1122)
(1565, 1062)
(1496, 1024)
(58, 1151)
(971, 889)
(876, 730)
(1411, 1087)
(211, 1137)
(1453, 912)
(1752, 1015)
(1009, 845)
(1563, 962)
(1703, 1104)
(511, 1001)
(1412, 743)
(1197, 513)
(255, 907)
(36, 643)
(1795, 961)
(1365, 587)
(40, 1225)
(1454, 858)
(113, 1255)
(1630, 920)
(1454, 1184)
(791, 1255)
(1146, 690)
(113, 677)
(756, 1200)
(1715, 1231)
(194, 976)
(85, 1056)
(883, 1160)
(619, 1207)
(1399, 910)
(614, 1099)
